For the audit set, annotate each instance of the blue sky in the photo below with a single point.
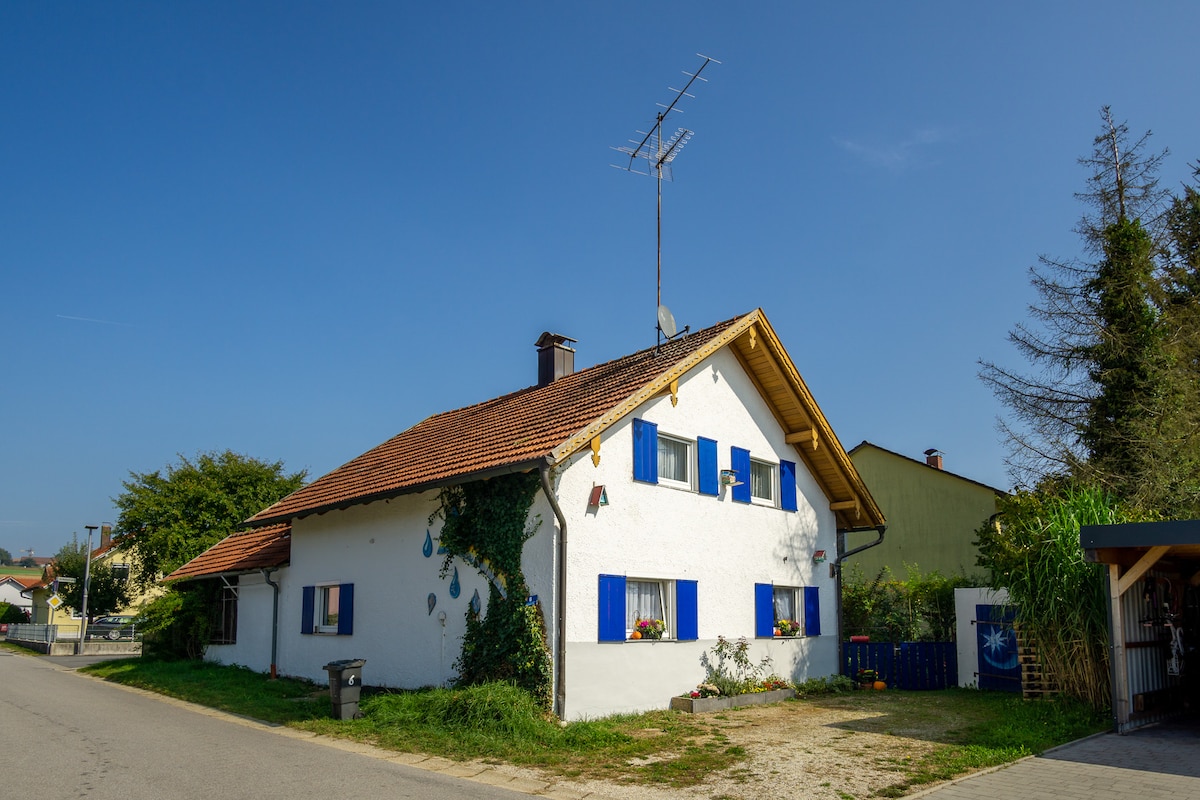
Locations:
(295, 229)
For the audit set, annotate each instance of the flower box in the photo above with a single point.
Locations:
(699, 705)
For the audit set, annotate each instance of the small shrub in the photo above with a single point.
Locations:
(728, 668)
(834, 684)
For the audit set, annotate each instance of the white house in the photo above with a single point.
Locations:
(15, 591)
(697, 483)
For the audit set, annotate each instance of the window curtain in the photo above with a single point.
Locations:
(785, 604)
(642, 599)
(672, 459)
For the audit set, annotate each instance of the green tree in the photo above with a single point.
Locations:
(1096, 345)
(108, 591)
(170, 516)
(5, 558)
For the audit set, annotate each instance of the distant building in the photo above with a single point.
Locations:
(932, 514)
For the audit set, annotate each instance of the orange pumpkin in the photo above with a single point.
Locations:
(635, 635)
(880, 686)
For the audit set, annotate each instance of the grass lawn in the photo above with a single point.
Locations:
(970, 730)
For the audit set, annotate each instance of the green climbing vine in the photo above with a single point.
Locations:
(486, 523)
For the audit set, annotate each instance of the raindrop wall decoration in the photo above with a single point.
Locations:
(455, 589)
(432, 602)
(475, 604)
(427, 548)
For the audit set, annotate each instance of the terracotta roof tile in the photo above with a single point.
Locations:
(506, 432)
(244, 551)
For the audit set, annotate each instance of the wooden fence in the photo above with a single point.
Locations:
(907, 665)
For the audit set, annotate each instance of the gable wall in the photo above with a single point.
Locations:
(658, 532)
(932, 516)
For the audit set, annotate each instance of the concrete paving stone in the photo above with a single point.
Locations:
(437, 764)
(527, 785)
(563, 793)
(409, 759)
(462, 770)
(493, 777)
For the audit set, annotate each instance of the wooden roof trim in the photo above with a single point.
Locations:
(835, 454)
(667, 381)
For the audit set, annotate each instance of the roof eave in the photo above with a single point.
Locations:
(416, 488)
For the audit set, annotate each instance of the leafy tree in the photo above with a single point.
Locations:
(5, 557)
(1098, 348)
(168, 517)
(27, 561)
(108, 591)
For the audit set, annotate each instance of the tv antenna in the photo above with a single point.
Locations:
(659, 153)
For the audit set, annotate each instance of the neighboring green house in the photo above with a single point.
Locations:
(932, 514)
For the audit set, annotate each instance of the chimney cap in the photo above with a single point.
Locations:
(933, 450)
(548, 339)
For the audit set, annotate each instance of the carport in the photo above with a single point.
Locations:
(1154, 601)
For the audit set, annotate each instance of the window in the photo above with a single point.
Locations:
(645, 609)
(773, 604)
(674, 460)
(623, 601)
(328, 608)
(225, 625)
(762, 481)
(326, 618)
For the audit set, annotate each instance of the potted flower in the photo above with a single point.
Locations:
(787, 627)
(648, 628)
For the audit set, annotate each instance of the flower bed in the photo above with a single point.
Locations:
(699, 705)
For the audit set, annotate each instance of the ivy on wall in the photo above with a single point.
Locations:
(486, 523)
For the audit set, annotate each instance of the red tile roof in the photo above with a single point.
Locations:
(515, 430)
(547, 424)
(244, 551)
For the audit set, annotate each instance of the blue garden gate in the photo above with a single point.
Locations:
(996, 643)
(907, 665)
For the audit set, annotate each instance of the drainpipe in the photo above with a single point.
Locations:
(835, 570)
(560, 601)
(266, 573)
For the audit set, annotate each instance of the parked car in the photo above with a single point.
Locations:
(117, 626)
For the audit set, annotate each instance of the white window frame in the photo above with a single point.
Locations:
(797, 607)
(321, 623)
(689, 461)
(773, 482)
(666, 596)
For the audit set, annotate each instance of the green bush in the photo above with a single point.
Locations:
(918, 609)
(10, 613)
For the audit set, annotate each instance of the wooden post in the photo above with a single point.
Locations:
(1120, 670)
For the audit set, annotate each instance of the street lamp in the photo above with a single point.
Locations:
(87, 574)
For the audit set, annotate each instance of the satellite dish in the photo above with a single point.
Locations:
(666, 322)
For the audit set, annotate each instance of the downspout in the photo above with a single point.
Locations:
(266, 573)
(560, 601)
(835, 570)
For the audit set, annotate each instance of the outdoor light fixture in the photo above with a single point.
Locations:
(729, 477)
(818, 556)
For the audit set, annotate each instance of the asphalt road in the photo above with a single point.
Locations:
(63, 735)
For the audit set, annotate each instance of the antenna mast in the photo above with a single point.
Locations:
(658, 155)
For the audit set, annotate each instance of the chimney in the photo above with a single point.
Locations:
(555, 359)
(105, 535)
(933, 457)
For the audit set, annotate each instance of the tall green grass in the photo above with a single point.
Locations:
(1033, 550)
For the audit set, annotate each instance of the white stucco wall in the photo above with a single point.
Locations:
(646, 531)
(253, 646)
(659, 532)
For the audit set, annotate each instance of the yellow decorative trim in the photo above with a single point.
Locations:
(674, 392)
(596, 451)
(753, 337)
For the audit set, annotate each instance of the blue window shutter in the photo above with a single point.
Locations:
(612, 608)
(645, 453)
(764, 609)
(787, 485)
(706, 458)
(812, 611)
(739, 461)
(346, 609)
(308, 605)
(687, 617)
